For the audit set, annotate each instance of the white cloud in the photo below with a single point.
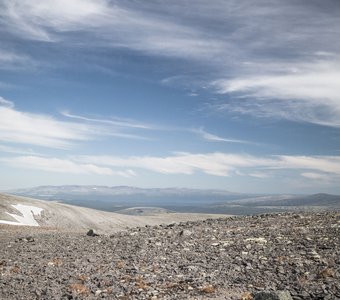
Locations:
(220, 164)
(47, 131)
(67, 166)
(325, 168)
(316, 176)
(328, 164)
(41, 130)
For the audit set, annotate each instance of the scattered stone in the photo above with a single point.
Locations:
(79, 289)
(327, 272)
(91, 232)
(185, 232)
(314, 255)
(30, 239)
(209, 289)
(259, 240)
(284, 295)
(247, 296)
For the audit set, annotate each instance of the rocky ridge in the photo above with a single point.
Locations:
(296, 255)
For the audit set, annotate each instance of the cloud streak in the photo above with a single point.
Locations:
(220, 164)
(115, 121)
(6, 103)
(325, 168)
(55, 165)
(66, 166)
(215, 138)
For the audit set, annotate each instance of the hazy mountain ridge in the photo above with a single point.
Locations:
(120, 198)
(53, 191)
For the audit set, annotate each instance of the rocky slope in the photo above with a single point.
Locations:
(227, 258)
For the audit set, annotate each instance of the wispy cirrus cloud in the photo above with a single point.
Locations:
(263, 54)
(111, 24)
(222, 34)
(41, 20)
(128, 123)
(309, 93)
(11, 60)
(7, 57)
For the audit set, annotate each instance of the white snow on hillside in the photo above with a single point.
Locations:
(28, 212)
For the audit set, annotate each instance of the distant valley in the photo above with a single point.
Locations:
(123, 198)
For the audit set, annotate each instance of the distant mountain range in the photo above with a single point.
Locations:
(118, 198)
(51, 191)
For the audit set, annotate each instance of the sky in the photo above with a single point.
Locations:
(240, 95)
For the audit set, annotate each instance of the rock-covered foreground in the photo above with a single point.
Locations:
(231, 258)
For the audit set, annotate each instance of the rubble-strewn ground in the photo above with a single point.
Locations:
(229, 258)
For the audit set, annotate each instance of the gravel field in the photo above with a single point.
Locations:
(227, 258)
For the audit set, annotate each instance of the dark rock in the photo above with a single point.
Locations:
(277, 295)
(91, 232)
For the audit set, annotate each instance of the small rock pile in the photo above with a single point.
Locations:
(273, 256)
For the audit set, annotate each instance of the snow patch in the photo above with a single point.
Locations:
(28, 212)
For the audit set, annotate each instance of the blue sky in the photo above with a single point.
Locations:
(236, 95)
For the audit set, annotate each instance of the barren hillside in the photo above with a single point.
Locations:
(75, 218)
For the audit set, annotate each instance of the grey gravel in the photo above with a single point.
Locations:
(288, 255)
